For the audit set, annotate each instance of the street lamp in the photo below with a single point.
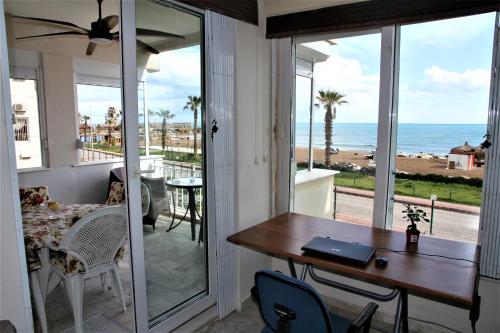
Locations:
(433, 198)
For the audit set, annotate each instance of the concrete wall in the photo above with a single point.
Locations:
(14, 294)
(253, 142)
(314, 192)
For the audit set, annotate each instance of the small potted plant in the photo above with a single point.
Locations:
(414, 215)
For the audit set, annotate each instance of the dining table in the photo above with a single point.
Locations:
(43, 229)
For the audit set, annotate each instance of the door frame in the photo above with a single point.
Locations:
(132, 163)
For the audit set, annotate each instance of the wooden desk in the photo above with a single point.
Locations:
(449, 281)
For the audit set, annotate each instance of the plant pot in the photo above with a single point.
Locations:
(412, 235)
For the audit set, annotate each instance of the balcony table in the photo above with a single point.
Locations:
(190, 184)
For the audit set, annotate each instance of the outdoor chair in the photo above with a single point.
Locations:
(91, 248)
(158, 199)
(289, 305)
(33, 195)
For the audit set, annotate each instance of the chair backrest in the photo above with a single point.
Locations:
(33, 195)
(286, 301)
(116, 194)
(96, 238)
(145, 199)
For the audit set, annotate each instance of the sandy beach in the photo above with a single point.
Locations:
(408, 164)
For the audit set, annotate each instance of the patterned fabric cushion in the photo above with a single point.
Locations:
(68, 264)
(32, 196)
(116, 195)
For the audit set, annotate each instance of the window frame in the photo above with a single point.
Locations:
(36, 74)
(98, 81)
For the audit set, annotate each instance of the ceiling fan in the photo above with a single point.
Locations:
(99, 33)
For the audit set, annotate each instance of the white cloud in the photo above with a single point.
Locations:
(348, 76)
(471, 78)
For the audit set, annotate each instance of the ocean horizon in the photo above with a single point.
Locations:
(435, 139)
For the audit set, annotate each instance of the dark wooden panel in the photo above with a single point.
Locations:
(373, 14)
(243, 10)
(445, 280)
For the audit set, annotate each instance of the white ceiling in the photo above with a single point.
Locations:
(82, 13)
(280, 7)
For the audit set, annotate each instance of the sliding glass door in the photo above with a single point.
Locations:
(167, 161)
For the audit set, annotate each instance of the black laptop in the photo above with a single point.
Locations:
(334, 249)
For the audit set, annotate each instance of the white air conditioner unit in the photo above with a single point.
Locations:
(19, 108)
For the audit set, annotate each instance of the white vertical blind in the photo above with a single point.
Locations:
(220, 103)
(489, 236)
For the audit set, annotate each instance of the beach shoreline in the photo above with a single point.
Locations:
(410, 164)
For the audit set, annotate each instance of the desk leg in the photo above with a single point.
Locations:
(291, 267)
(404, 310)
(474, 312)
(192, 212)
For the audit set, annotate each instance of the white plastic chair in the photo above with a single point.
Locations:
(94, 240)
(145, 199)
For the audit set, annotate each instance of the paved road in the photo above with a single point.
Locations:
(447, 224)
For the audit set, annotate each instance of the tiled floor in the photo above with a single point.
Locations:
(174, 272)
(248, 320)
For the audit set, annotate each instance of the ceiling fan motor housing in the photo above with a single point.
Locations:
(99, 32)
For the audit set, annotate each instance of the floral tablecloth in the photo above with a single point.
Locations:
(45, 228)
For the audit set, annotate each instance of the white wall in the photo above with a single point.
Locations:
(14, 297)
(73, 184)
(253, 142)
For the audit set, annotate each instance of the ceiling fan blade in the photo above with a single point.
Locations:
(66, 33)
(111, 21)
(116, 37)
(147, 47)
(61, 23)
(90, 48)
(156, 33)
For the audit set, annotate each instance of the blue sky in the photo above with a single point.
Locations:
(444, 73)
(178, 78)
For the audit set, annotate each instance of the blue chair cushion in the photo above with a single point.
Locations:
(340, 324)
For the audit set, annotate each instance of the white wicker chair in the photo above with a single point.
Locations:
(94, 240)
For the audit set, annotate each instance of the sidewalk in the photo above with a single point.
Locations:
(459, 208)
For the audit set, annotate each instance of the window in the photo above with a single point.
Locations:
(27, 118)
(100, 122)
(444, 86)
(343, 77)
(416, 113)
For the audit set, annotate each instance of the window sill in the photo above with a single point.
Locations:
(91, 163)
(26, 170)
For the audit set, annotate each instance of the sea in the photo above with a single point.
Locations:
(436, 139)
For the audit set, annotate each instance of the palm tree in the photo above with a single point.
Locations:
(193, 104)
(330, 99)
(85, 120)
(111, 121)
(165, 114)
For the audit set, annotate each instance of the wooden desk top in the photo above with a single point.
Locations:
(444, 280)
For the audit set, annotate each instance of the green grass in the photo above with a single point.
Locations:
(455, 193)
(105, 147)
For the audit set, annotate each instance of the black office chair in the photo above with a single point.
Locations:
(289, 305)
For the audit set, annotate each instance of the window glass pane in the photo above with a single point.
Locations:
(443, 107)
(346, 89)
(26, 123)
(100, 127)
(175, 245)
